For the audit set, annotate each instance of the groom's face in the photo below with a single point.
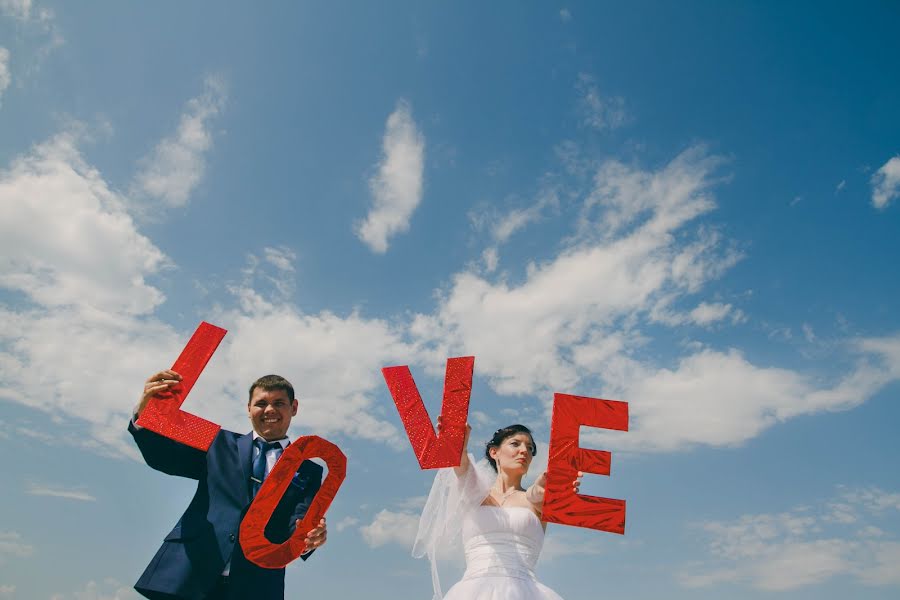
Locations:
(270, 413)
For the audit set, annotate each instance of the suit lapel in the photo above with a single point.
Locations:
(245, 455)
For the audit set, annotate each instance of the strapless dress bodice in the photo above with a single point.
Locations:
(502, 541)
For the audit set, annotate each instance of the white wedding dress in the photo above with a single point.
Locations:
(501, 544)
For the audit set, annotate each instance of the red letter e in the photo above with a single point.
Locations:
(561, 504)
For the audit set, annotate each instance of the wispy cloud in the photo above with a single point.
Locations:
(178, 163)
(37, 21)
(803, 546)
(704, 314)
(501, 226)
(281, 257)
(18, 9)
(345, 523)
(11, 544)
(397, 186)
(108, 589)
(57, 491)
(4, 71)
(398, 527)
(886, 183)
(600, 112)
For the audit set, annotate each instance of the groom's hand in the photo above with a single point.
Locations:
(159, 385)
(316, 536)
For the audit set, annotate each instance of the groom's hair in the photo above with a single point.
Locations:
(270, 383)
(503, 433)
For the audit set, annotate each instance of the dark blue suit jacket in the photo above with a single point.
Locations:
(194, 554)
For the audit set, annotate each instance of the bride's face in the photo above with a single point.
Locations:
(514, 453)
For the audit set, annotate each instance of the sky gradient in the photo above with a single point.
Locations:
(691, 207)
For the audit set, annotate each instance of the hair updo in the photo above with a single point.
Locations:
(503, 433)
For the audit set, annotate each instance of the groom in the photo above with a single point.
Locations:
(201, 558)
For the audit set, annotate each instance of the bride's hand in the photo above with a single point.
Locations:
(464, 455)
(535, 492)
(577, 483)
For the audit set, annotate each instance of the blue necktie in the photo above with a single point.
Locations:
(259, 465)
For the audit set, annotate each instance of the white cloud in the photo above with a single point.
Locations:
(490, 257)
(87, 251)
(886, 183)
(502, 226)
(391, 527)
(719, 398)
(334, 363)
(11, 544)
(177, 164)
(600, 112)
(85, 274)
(91, 330)
(4, 70)
(704, 314)
(345, 523)
(634, 255)
(19, 9)
(617, 267)
(7, 591)
(83, 361)
(801, 547)
(40, 21)
(282, 258)
(707, 313)
(397, 187)
(57, 491)
(873, 500)
(565, 15)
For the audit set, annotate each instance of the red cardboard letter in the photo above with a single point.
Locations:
(434, 451)
(561, 504)
(164, 415)
(260, 550)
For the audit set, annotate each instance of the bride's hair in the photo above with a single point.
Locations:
(503, 433)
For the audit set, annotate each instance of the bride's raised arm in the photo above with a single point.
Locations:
(535, 492)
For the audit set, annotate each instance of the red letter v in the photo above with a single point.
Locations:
(434, 451)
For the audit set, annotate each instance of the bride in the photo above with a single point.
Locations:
(499, 521)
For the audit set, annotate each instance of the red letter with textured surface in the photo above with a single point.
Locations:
(164, 415)
(434, 451)
(260, 550)
(561, 504)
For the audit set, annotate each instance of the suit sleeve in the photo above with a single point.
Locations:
(168, 456)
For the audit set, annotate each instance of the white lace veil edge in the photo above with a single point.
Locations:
(450, 499)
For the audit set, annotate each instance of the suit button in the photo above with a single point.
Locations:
(231, 537)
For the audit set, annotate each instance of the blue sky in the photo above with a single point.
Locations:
(689, 207)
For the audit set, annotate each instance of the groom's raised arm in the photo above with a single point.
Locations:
(160, 452)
